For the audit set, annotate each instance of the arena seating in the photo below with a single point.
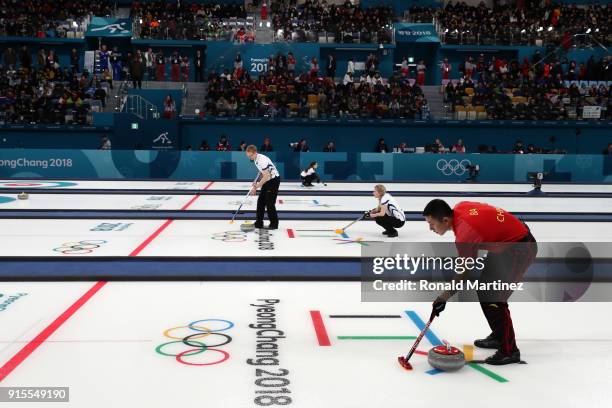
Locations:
(547, 91)
(511, 25)
(49, 18)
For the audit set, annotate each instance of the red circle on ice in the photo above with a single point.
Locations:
(445, 351)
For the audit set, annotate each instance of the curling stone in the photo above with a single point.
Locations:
(446, 358)
(247, 226)
(22, 196)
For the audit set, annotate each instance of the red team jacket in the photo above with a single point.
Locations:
(482, 223)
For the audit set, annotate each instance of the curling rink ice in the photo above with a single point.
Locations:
(116, 344)
(305, 203)
(61, 235)
(15, 184)
(200, 343)
(217, 238)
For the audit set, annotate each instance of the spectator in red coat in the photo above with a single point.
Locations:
(421, 68)
(446, 69)
(169, 108)
(175, 67)
(458, 147)
(223, 145)
(266, 146)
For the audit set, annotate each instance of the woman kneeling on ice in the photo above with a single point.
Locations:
(388, 214)
(310, 174)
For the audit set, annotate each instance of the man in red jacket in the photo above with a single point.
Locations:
(511, 249)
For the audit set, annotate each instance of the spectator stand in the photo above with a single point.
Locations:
(553, 24)
(51, 19)
(332, 23)
(209, 21)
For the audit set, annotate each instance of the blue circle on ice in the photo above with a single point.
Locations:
(4, 199)
(22, 184)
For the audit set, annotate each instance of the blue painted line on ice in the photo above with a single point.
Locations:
(416, 319)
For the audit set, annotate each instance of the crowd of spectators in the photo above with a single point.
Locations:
(521, 22)
(48, 18)
(518, 23)
(437, 146)
(191, 21)
(224, 145)
(281, 92)
(48, 94)
(347, 22)
(532, 90)
(381, 146)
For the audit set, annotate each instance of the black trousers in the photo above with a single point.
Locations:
(508, 266)
(267, 201)
(389, 223)
(137, 83)
(309, 179)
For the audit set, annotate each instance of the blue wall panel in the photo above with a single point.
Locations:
(179, 165)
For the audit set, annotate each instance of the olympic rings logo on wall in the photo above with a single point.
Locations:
(200, 339)
(230, 236)
(453, 166)
(80, 247)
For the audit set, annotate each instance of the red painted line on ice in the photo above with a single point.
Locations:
(186, 206)
(29, 348)
(290, 233)
(158, 231)
(33, 344)
(319, 327)
(150, 238)
(206, 187)
(280, 201)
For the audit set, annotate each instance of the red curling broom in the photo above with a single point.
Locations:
(404, 361)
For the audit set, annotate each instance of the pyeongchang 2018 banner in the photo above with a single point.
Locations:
(415, 33)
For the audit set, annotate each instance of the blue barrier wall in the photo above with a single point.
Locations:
(134, 133)
(61, 46)
(44, 137)
(457, 54)
(220, 55)
(178, 165)
(362, 136)
(352, 136)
